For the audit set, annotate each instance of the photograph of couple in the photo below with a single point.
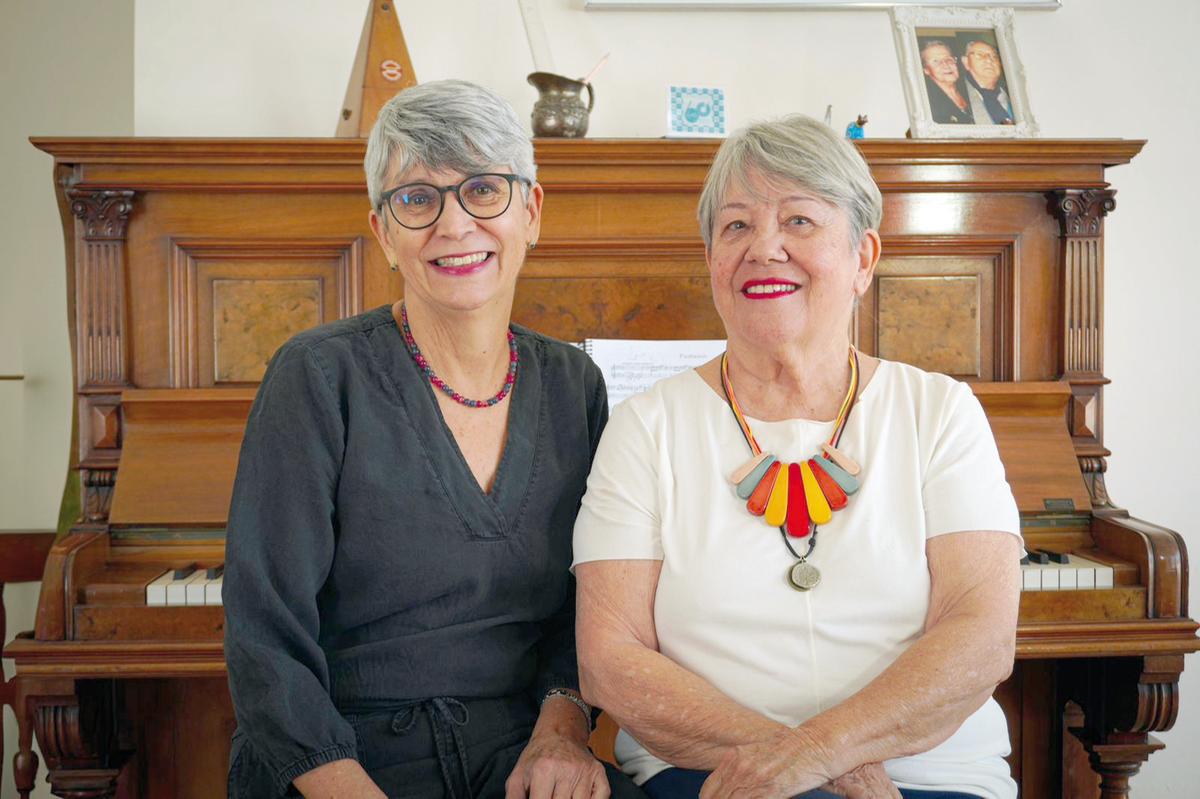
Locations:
(964, 77)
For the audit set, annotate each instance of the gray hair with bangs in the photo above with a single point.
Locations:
(446, 124)
(795, 149)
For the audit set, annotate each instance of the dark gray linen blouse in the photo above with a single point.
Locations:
(365, 567)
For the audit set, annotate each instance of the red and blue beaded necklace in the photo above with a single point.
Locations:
(509, 381)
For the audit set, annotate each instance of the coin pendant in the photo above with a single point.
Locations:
(804, 576)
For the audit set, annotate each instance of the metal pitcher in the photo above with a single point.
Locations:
(559, 110)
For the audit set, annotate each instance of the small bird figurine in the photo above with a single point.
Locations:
(855, 129)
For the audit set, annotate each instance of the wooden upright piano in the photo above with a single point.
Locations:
(189, 261)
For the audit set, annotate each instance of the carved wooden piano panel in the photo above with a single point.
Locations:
(191, 260)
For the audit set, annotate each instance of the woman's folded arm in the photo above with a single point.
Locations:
(967, 649)
(676, 715)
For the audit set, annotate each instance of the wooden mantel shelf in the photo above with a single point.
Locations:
(899, 164)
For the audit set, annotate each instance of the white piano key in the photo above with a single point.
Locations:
(195, 589)
(1068, 577)
(1031, 578)
(1102, 571)
(156, 590)
(1049, 576)
(212, 592)
(177, 589)
(1085, 573)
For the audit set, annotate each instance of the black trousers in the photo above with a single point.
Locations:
(440, 748)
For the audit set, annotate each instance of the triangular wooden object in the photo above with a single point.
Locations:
(381, 69)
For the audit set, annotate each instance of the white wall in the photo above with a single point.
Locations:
(1100, 68)
(60, 74)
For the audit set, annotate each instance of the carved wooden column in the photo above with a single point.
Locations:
(1080, 214)
(102, 366)
(76, 730)
(1124, 700)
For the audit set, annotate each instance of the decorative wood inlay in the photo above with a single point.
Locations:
(102, 347)
(252, 318)
(606, 308)
(233, 302)
(931, 322)
(944, 303)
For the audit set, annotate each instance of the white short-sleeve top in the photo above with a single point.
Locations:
(724, 608)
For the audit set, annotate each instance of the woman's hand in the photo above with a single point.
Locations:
(786, 764)
(554, 766)
(557, 763)
(868, 781)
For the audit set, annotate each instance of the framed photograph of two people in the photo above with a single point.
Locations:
(961, 73)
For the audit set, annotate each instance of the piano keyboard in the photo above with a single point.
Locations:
(1045, 571)
(186, 586)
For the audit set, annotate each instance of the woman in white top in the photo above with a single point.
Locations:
(798, 564)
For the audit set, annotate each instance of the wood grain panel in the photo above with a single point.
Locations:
(945, 304)
(252, 318)
(233, 302)
(932, 322)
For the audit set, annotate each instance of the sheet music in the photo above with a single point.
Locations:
(631, 366)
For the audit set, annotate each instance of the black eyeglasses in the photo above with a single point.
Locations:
(419, 205)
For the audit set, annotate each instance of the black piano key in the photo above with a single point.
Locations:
(185, 572)
(1025, 560)
(1037, 556)
(1056, 557)
(214, 572)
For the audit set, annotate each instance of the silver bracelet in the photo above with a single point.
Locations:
(570, 696)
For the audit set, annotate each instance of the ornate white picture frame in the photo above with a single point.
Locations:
(946, 97)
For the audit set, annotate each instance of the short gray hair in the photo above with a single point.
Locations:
(800, 150)
(446, 124)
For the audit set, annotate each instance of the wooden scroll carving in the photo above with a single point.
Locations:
(1124, 700)
(76, 732)
(102, 340)
(1080, 215)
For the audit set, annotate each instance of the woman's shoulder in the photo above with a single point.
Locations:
(329, 349)
(926, 390)
(562, 358)
(332, 336)
(677, 398)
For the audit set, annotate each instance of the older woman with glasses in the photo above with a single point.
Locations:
(798, 564)
(400, 614)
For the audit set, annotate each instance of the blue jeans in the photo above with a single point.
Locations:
(682, 783)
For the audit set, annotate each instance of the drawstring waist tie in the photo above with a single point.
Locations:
(447, 716)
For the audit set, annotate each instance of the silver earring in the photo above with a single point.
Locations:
(532, 244)
(394, 267)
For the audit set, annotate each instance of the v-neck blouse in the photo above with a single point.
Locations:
(365, 566)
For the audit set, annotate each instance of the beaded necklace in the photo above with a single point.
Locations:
(796, 497)
(411, 345)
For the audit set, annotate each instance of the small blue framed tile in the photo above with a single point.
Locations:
(697, 111)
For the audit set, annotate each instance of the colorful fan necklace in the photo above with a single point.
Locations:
(796, 497)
